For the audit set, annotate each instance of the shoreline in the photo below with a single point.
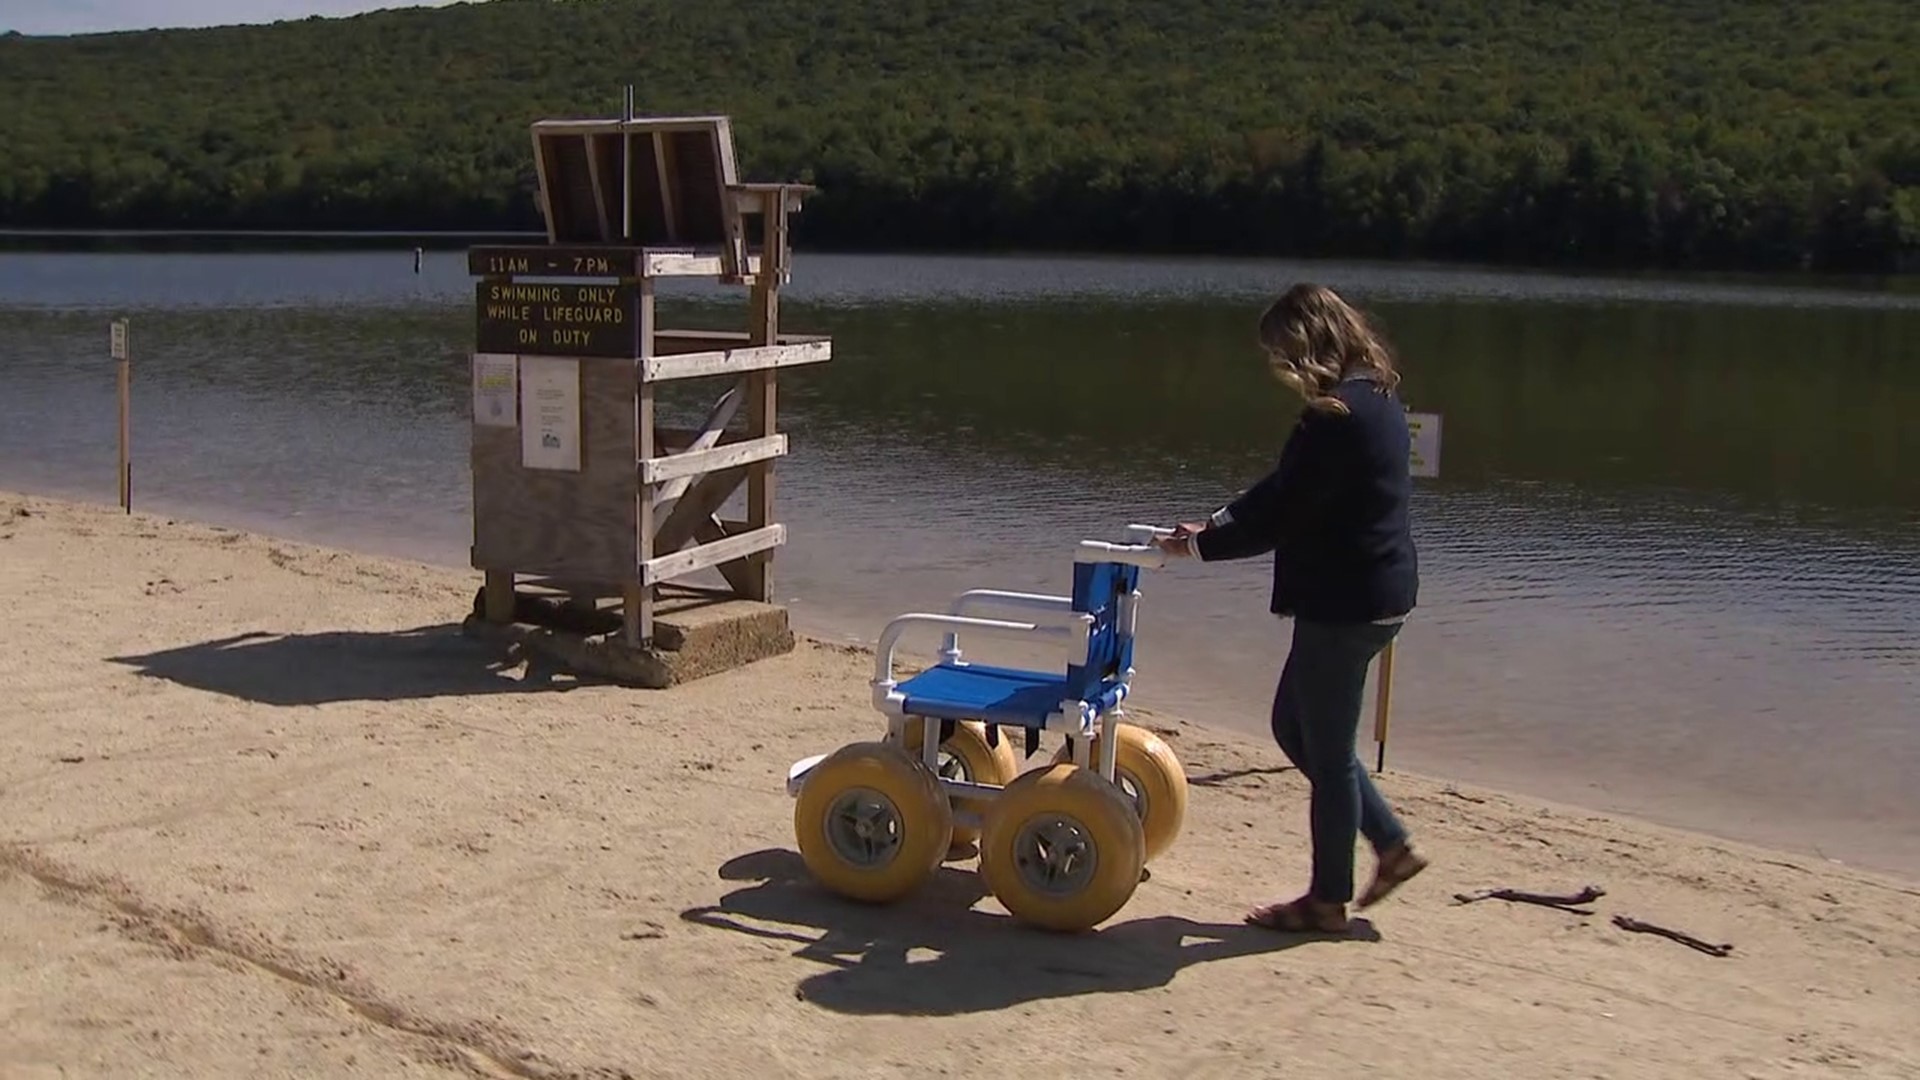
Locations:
(267, 811)
(21, 240)
(1827, 841)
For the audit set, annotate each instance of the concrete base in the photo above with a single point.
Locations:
(695, 634)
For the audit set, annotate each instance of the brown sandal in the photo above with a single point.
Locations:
(1302, 916)
(1398, 866)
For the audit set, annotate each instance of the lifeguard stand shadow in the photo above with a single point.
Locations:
(346, 665)
(983, 961)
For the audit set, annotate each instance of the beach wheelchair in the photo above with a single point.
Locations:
(1062, 846)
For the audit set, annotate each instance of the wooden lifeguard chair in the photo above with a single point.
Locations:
(578, 494)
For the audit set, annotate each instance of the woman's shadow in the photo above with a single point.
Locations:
(981, 961)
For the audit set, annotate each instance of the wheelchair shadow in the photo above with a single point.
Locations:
(335, 666)
(981, 962)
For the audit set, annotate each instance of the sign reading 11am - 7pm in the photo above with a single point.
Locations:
(557, 320)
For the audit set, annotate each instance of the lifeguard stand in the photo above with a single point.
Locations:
(578, 495)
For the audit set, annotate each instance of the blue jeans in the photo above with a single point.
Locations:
(1316, 718)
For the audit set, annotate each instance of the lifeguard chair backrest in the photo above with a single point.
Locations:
(682, 167)
(1097, 590)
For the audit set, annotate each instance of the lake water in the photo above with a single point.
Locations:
(1672, 565)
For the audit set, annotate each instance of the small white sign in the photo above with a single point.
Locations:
(1425, 429)
(550, 413)
(117, 340)
(496, 389)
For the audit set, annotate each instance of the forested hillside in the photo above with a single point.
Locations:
(1636, 132)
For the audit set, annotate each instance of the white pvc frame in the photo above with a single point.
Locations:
(1055, 618)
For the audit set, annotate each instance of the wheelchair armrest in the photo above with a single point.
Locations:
(890, 637)
(974, 599)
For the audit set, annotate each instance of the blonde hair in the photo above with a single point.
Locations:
(1314, 339)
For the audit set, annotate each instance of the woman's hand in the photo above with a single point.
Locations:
(1180, 544)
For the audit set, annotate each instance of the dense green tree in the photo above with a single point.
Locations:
(1621, 132)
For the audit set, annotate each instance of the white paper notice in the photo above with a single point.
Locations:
(550, 413)
(495, 390)
(1425, 429)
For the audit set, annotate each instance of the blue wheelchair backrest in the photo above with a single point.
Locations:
(1097, 590)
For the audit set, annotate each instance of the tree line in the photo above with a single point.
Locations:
(1684, 133)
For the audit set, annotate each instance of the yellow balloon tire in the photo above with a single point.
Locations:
(1148, 765)
(979, 762)
(920, 816)
(1101, 822)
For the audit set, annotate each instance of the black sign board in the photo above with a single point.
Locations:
(547, 261)
(557, 320)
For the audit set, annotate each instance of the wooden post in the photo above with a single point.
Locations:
(123, 361)
(1383, 705)
(636, 597)
(762, 394)
(499, 600)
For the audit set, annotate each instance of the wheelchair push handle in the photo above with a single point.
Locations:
(1138, 550)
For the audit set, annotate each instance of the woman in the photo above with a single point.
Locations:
(1334, 513)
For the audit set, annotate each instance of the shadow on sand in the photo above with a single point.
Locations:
(316, 669)
(982, 961)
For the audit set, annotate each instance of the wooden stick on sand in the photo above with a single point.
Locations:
(1634, 925)
(1563, 903)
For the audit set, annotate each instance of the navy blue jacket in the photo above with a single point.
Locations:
(1334, 513)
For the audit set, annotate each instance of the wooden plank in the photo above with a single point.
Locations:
(704, 499)
(761, 187)
(754, 358)
(568, 190)
(637, 598)
(688, 264)
(735, 572)
(599, 192)
(710, 432)
(665, 173)
(691, 463)
(734, 263)
(776, 250)
(762, 394)
(543, 186)
(679, 342)
(597, 126)
(751, 198)
(682, 563)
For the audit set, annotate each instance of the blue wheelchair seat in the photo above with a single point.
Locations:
(978, 692)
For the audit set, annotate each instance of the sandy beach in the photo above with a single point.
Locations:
(265, 812)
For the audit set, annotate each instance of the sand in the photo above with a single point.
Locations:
(265, 812)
